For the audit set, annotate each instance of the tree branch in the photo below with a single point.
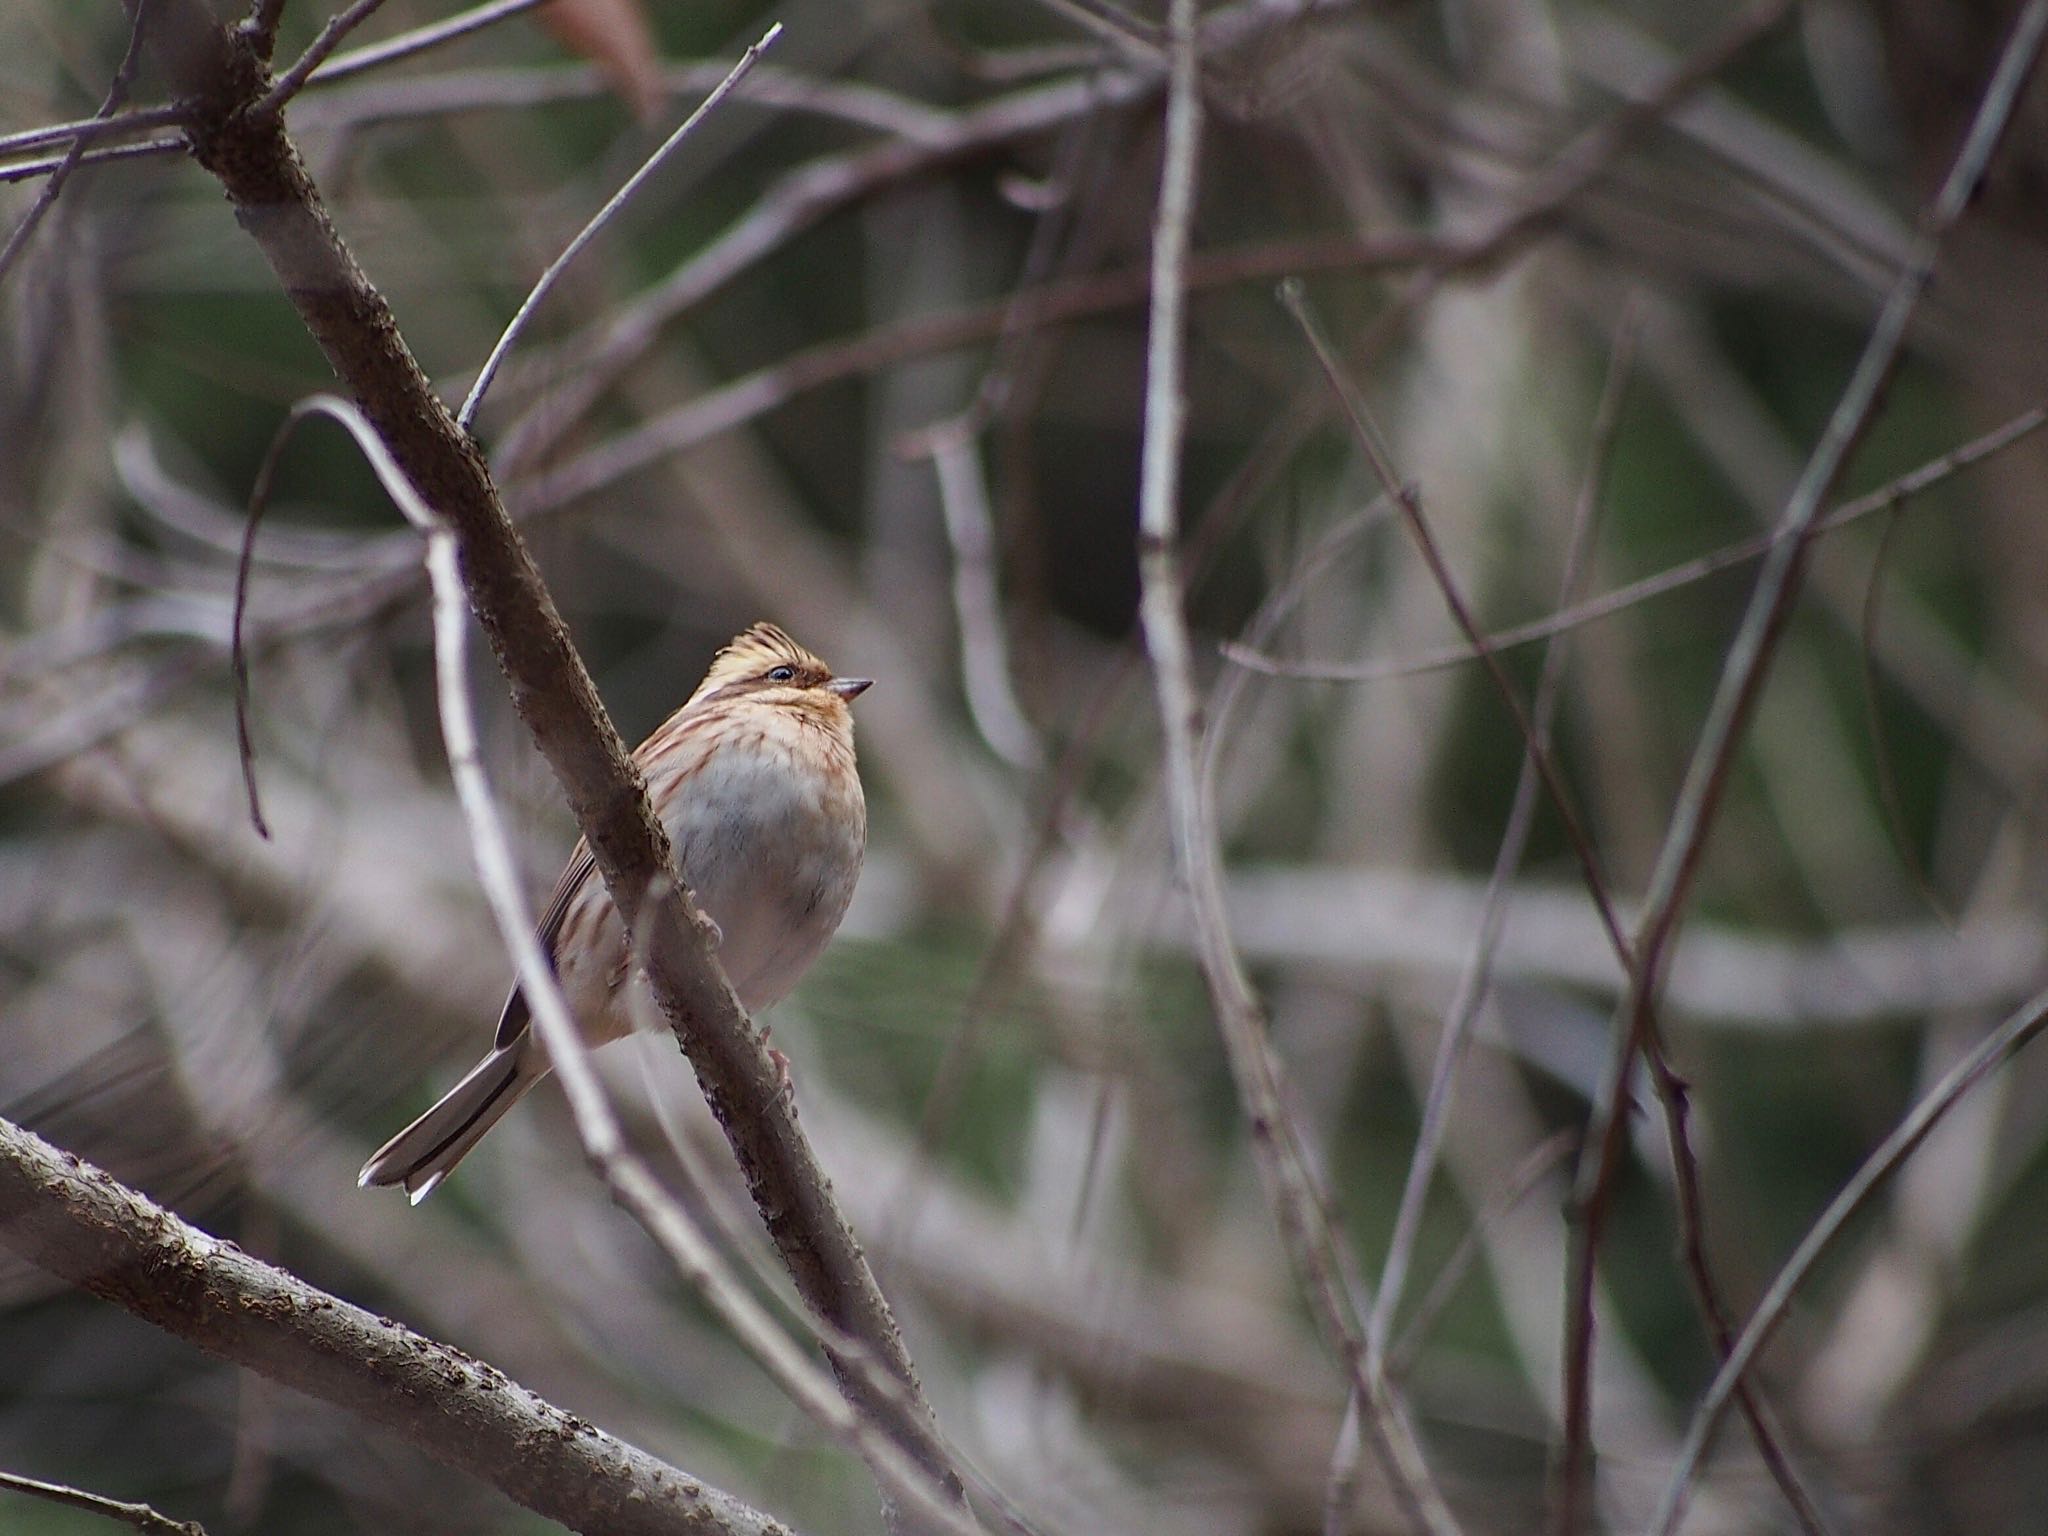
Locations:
(70, 1218)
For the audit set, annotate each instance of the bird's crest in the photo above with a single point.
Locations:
(754, 651)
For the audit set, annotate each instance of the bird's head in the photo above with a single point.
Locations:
(764, 666)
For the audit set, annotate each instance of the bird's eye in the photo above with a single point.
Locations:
(782, 675)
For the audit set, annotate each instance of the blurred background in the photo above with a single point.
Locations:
(867, 358)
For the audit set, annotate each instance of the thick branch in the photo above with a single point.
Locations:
(276, 202)
(76, 1221)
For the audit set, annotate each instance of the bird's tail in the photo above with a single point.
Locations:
(425, 1152)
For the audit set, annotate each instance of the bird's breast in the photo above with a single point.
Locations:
(769, 832)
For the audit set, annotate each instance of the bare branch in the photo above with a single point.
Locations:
(289, 84)
(406, 44)
(1742, 675)
(466, 417)
(68, 1217)
(1998, 1047)
(117, 93)
(1283, 1161)
(1885, 499)
(140, 1516)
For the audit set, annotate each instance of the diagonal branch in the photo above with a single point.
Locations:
(70, 1218)
(1742, 677)
(116, 97)
(2018, 1030)
(1300, 1203)
(140, 1516)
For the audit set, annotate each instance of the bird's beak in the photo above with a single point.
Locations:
(850, 687)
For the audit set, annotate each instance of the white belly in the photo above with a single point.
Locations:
(772, 859)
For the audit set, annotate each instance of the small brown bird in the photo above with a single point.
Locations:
(754, 779)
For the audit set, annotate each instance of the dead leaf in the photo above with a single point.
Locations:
(613, 35)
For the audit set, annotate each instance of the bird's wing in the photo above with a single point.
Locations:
(582, 867)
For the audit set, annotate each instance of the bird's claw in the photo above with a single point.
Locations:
(782, 1082)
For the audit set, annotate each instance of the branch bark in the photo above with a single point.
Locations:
(277, 203)
(78, 1222)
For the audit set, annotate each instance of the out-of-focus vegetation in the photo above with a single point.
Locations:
(920, 217)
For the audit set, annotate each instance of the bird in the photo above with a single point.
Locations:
(755, 781)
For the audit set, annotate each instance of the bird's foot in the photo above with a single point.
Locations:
(782, 1082)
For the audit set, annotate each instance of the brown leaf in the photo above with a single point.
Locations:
(615, 36)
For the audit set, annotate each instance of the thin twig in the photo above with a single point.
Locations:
(406, 44)
(1538, 1163)
(293, 80)
(1905, 1139)
(977, 600)
(28, 170)
(1283, 1161)
(140, 1516)
(1741, 681)
(117, 93)
(1886, 498)
(1475, 980)
(91, 129)
(1405, 497)
(466, 417)
(1674, 1097)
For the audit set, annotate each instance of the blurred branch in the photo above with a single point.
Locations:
(977, 599)
(27, 170)
(733, 404)
(1369, 921)
(1475, 979)
(515, 88)
(465, 418)
(1886, 498)
(1904, 1140)
(117, 93)
(582, 369)
(1300, 1204)
(282, 210)
(1742, 677)
(406, 44)
(68, 1217)
(140, 1516)
(1870, 239)
(289, 84)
